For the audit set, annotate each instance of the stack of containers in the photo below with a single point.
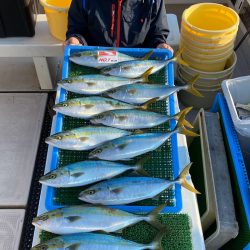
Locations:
(208, 33)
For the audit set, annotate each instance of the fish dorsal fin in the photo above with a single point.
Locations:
(75, 246)
(83, 139)
(73, 218)
(147, 55)
(76, 175)
(91, 84)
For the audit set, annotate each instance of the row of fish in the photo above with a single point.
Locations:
(75, 224)
(120, 112)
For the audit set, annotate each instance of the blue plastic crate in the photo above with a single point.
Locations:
(161, 54)
(235, 150)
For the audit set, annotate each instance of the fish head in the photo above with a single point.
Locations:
(66, 82)
(83, 57)
(69, 105)
(109, 70)
(103, 118)
(114, 92)
(56, 177)
(95, 194)
(48, 221)
(55, 243)
(61, 140)
(101, 151)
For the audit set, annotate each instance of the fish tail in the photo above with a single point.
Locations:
(177, 58)
(183, 181)
(184, 131)
(181, 129)
(146, 105)
(139, 166)
(156, 244)
(184, 111)
(152, 217)
(145, 75)
(191, 89)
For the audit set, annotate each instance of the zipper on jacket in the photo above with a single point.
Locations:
(113, 20)
(119, 23)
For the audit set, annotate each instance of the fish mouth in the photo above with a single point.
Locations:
(36, 223)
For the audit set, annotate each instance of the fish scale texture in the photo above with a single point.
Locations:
(178, 236)
(159, 164)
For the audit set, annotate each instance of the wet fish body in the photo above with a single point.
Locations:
(85, 172)
(130, 119)
(85, 218)
(94, 84)
(85, 138)
(93, 241)
(125, 190)
(87, 107)
(140, 93)
(89, 58)
(130, 146)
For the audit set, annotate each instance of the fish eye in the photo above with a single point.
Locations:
(65, 104)
(43, 247)
(58, 137)
(52, 176)
(100, 116)
(98, 151)
(90, 192)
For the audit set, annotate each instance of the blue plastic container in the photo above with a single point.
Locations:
(235, 150)
(161, 54)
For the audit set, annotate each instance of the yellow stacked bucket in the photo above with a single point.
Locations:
(208, 33)
(57, 15)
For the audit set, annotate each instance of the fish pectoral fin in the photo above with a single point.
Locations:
(122, 146)
(122, 117)
(116, 190)
(91, 84)
(88, 106)
(76, 175)
(75, 246)
(132, 91)
(82, 139)
(73, 218)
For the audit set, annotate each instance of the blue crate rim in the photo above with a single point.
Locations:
(61, 93)
(239, 165)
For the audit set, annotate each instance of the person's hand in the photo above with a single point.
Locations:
(72, 41)
(165, 46)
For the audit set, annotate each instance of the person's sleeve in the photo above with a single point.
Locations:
(77, 21)
(158, 31)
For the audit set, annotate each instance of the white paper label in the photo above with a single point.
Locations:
(107, 56)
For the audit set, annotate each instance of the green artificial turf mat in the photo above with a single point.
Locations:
(160, 163)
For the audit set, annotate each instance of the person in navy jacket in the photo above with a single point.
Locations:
(118, 23)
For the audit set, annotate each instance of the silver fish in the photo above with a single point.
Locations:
(87, 107)
(87, 172)
(136, 68)
(85, 218)
(91, 241)
(140, 93)
(125, 190)
(127, 147)
(135, 119)
(95, 84)
(89, 58)
(84, 138)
